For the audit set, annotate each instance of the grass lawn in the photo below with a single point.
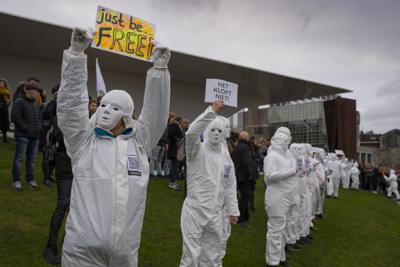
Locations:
(360, 229)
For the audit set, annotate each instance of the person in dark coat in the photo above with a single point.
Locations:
(64, 178)
(25, 115)
(256, 158)
(175, 134)
(21, 89)
(242, 160)
(48, 113)
(4, 104)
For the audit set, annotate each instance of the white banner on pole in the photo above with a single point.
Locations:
(100, 84)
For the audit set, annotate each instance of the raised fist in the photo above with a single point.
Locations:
(161, 56)
(81, 38)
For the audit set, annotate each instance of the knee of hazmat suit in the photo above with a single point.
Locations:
(211, 186)
(111, 172)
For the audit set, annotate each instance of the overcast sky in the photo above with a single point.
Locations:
(354, 44)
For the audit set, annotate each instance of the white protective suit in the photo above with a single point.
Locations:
(280, 177)
(111, 173)
(393, 186)
(292, 231)
(346, 165)
(336, 172)
(303, 170)
(312, 183)
(211, 188)
(321, 178)
(355, 176)
(226, 213)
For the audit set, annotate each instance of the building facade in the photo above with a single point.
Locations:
(306, 122)
(390, 139)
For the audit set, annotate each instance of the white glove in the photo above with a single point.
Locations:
(80, 39)
(161, 56)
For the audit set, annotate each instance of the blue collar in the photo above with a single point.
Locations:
(104, 133)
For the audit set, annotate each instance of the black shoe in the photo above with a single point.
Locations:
(245, 224)
(51, 256)
(303, 241)
(320, 216)
(47, 182)
(285, 264)
(290, 248)
(296, 246)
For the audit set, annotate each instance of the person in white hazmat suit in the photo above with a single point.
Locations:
(346, 164)
(312, 184)
(321, 178)
(328, 172)
(279, 176)
(355, 176)
(393, 186)
(211, 186)
(109, 157)
(292, 233)
(303, 170)
(226, 213)
(336, 169)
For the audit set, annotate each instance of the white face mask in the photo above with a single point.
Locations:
(280, 141)
(108, 115)
(226, 125)
(215, 136)
(215, 133)
(114, 105)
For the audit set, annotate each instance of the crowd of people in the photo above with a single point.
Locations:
(103, 158)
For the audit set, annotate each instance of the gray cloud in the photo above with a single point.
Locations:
(352, 44)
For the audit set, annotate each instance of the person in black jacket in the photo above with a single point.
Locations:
(21, 89)
(25, 115)
(175, 134)
(64, 178)
(255, 159)
(48, 113)
(242, 160)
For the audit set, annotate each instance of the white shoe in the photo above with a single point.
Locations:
(17, 185)
(155, 173)
(162, 173)
(33, 184)
(174, 186)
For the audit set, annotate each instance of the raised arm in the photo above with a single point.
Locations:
(198, 126)
(154, 115)
(72, 99)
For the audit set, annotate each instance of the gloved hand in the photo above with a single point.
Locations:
(81, 38)
(161, 56)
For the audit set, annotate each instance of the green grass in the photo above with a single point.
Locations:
(361, 229)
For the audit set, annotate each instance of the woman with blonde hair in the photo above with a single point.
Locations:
(4, 104)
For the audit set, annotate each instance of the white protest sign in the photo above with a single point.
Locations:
(223, 90)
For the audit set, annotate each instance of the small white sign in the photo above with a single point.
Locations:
(222, 90)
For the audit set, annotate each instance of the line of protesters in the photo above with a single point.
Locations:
(109, 156)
